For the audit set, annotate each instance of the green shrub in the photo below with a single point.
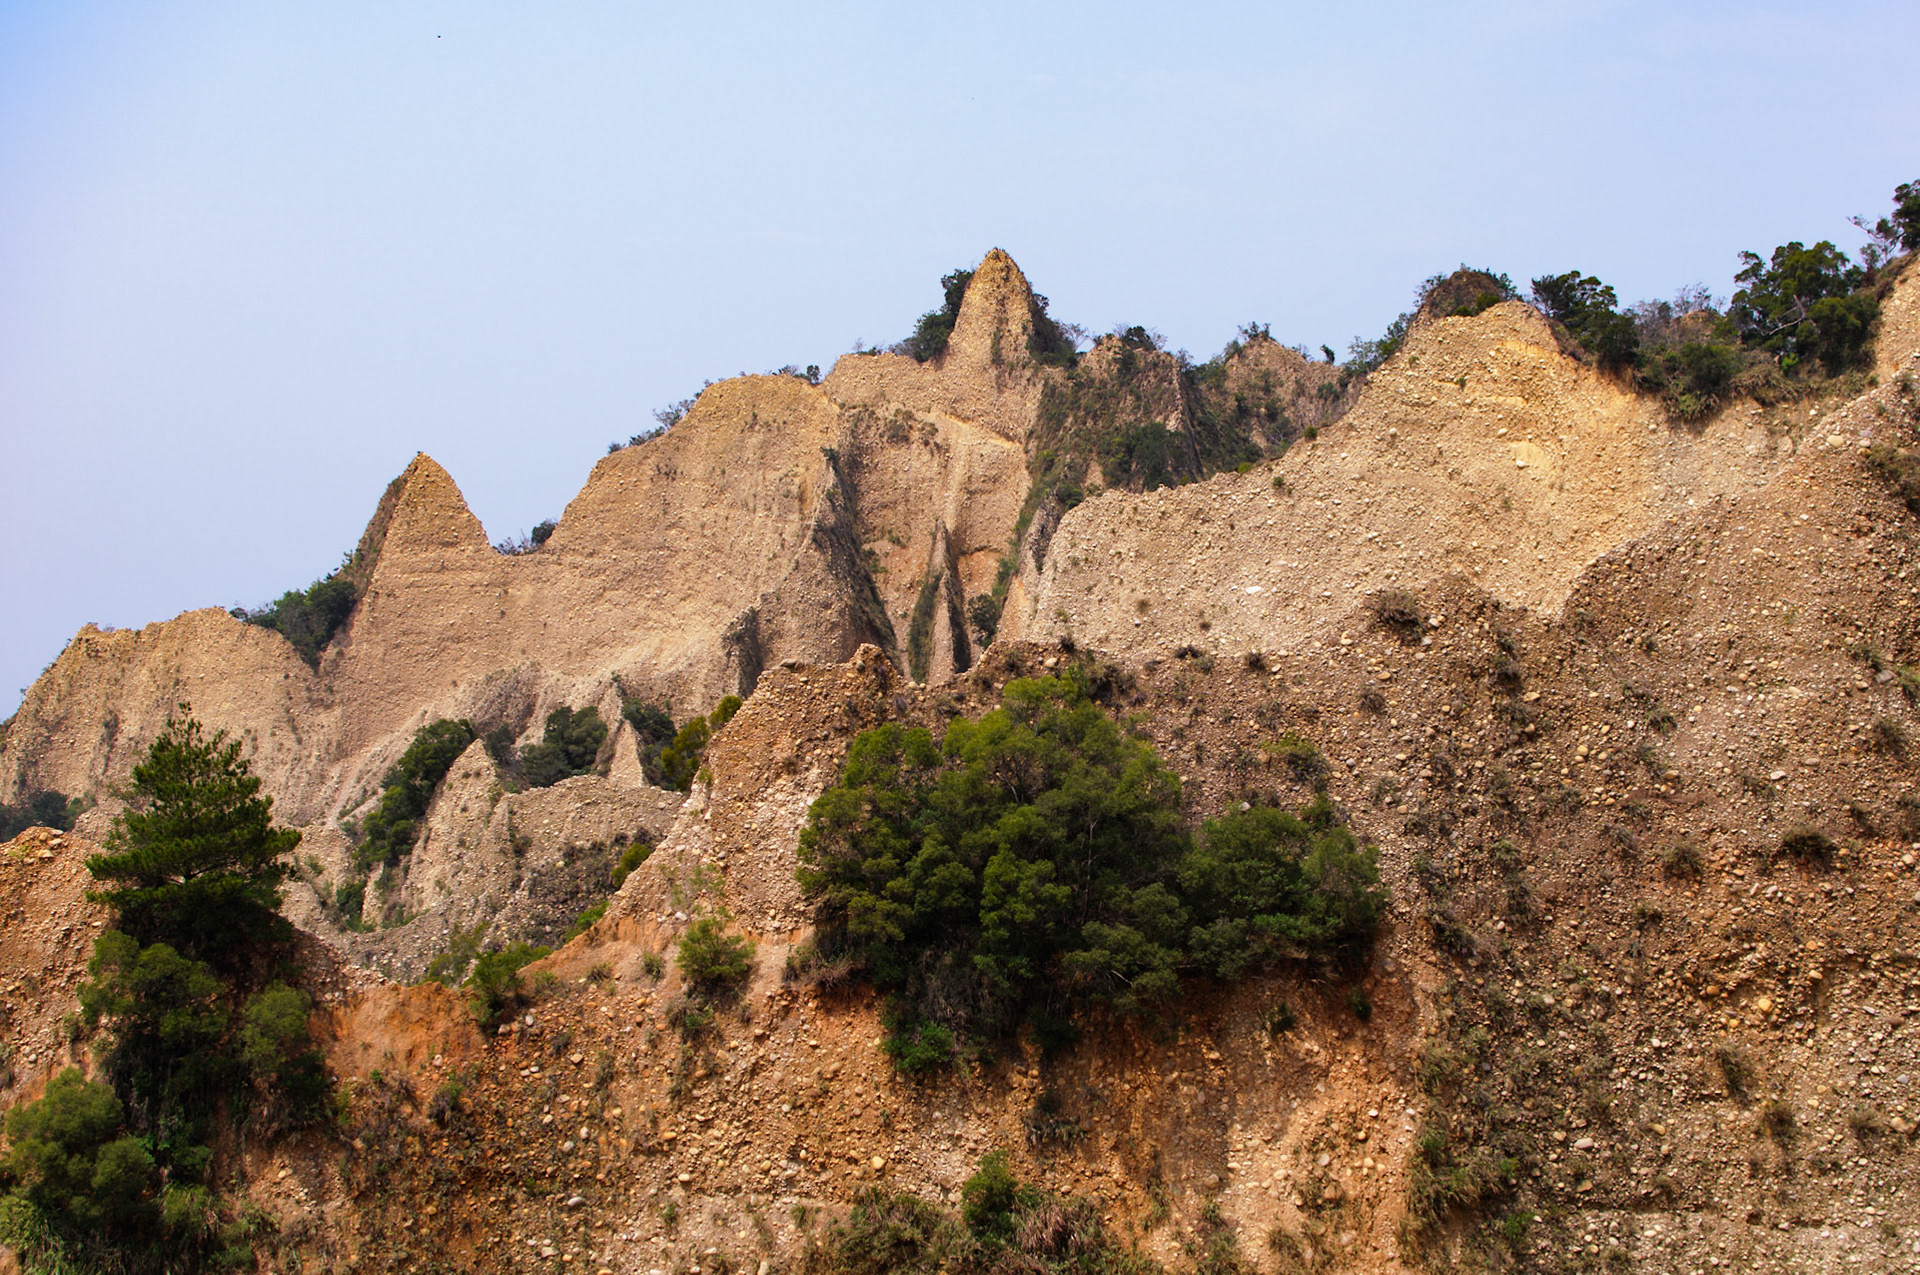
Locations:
(567, 747)
(653, 731)
(584, 922)
(916, 1045)
(407, 790)
(929, 339)
(680, 761)
(990, 1196)
(276, 1049)
(1585, 307)
(1904, 226)
(1037, 862)
(449, 966)
(984, 613)
(712, 960)
(494, 989)
(890, 1233)
(632, 857)
(1464, 293)
(70, 1158)
(309, 618)
(46, 809)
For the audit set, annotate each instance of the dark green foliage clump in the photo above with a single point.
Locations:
(711, 960)
(407, 791)
(1036, 861)
(653, 731)
(929, 339)
(167, 1016)
(1464, 293)
(308, 618)
(1585, 308)
(46, 809)
(567, 747)
(1049, 343)
(1803, 303)
(71, 1159)
(195, 861)
(1003, 1226)
(680, 760)
(630, 858)
(983, 612)
(585, 921)
(494, 989)
(1113, 408)
(1903, 227)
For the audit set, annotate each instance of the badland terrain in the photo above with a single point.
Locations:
(1606, 661)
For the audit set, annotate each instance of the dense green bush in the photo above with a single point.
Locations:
(288, 1071)
(1904, 225)
(166, 1017)
(46, 809)
(567, 747)
(1049, 342)
(1036, 862)
(1585, 307)
(1801, 304)
(653, 731)
(1464, 293)
(680, 760)
(630, 858)
(71, 1158)
(494, 989)
(1004, 1226)
(195, 861)
(929, 339)
(308, 618)
(407, 790)
(710, 959)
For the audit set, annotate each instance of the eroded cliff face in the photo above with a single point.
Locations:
(1648, 1059)
(1609, 1014)
(779, 520)
(1479, 449)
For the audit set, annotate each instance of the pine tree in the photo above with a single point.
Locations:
(195, 861)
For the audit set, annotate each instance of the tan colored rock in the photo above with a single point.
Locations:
(1519, 478)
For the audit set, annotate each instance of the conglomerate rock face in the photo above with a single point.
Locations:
(1642, 656)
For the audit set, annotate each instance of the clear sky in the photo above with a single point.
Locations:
(254, 256)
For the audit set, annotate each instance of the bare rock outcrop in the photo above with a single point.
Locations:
(1478, 449)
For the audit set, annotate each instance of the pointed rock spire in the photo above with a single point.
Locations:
(428, 513)
(996, 316)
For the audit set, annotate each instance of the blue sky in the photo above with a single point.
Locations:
(254, 256)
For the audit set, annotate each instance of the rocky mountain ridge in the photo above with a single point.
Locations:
(1646, 655)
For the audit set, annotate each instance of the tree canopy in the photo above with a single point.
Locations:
(567, 747)
(407, 790)
(1037, 861)
(195, 860)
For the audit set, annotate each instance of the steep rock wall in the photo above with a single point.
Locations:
(1479, 448)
